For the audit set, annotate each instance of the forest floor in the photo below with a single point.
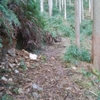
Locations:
(49, 78)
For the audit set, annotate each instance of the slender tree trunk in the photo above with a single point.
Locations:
(79, 10)
(50, 7)
(60, 6)
(82, 9)
(77, 23)
(65, 14)
(56, 3)
(70, 2)
(41, 5)
(62, 3)
(91, 12)
(96, 35)
(89, 6)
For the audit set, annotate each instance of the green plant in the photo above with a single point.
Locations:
(22, 64)
(86, 73)
(73, 54)
(1, 43)
(29, 35)
(86, 27)
(67, 31)
(7, 18)
(7, 97)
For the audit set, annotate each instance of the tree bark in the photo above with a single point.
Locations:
(91, 12)
(77, 23)
(96, 35)
(65, 15)
(60, 6)
(41, 5)
(79, 7)
(50, 3)
(82, 9)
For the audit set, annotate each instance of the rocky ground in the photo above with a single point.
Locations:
(47, 77)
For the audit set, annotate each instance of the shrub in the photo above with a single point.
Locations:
(74, 54)
(86, 27)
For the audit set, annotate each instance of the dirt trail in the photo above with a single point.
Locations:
(56, 81)
(53, 77)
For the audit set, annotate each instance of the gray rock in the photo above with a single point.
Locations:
(16, 71)
(35, 95)
(1, 94)
(10, 65)
(12, 52)
(20, 91)
(37, 88)
(4, 78)
(10, 81)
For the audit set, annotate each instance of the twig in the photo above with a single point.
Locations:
(94, 93)
(66, 96)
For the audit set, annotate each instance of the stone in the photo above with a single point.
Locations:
(11, 52)
(1, 94)
(74, 68)
(10, 65)
(35, 95)
(16, 71)
(37, 88)
(16, 61)
(10, 81)
(20, 91)
(26, 52)
(4, 78)
(33, 56)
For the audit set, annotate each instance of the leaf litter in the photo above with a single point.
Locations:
(46, 76)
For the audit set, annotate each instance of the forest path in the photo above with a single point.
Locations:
(57, 81)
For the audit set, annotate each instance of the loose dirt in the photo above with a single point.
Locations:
(58, 80)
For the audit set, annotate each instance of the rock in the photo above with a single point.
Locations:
(26, 57)
(10, 81)
(35, 95)
(27, 53)
(27, 64)
(74, 68)
(16, 61)
(16, 71)
(37, 88)
(1, 94)
(10, 65)
(33, 56)
(11, 52)
(4, 78)
(11, 60)
(20, 91)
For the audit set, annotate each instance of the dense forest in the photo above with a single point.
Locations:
(49, 50)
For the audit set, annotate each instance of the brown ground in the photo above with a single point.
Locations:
(58, 80)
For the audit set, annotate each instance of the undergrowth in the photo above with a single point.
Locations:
(73, 54)
(86, 27)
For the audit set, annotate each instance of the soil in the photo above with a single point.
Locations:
(58, 80)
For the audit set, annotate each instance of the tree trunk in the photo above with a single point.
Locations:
(96, 35)
(60, 6)
(50, 7)
(91, 12)
(77, 23)
(62, 3)
(82, 9)
(79, 7)
(56, 3)
(89, 6)
(41, 5)
(65, 15)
